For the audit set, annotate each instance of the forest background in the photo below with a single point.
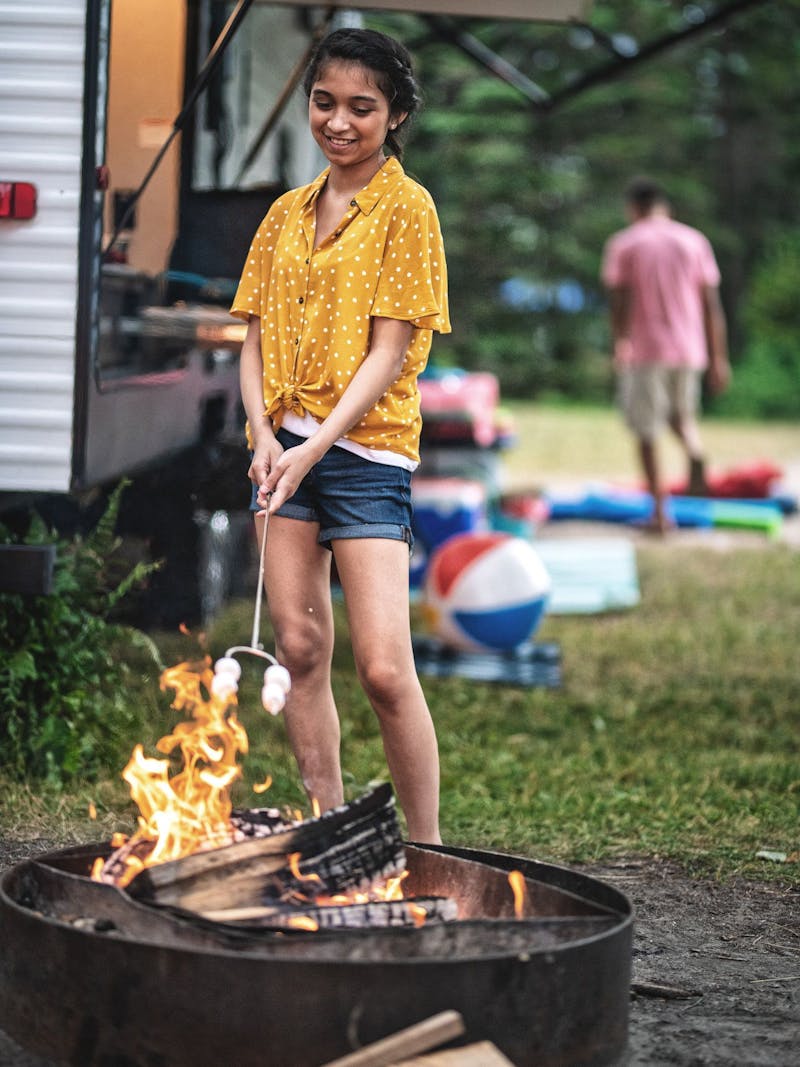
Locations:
(528, 180)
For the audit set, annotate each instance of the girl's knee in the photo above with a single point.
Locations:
(384, 682)
(302, 647)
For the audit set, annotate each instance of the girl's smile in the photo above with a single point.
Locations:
(349, 116)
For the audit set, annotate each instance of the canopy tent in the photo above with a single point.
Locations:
(541, 10)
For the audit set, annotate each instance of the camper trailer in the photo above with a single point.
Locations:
(141, 142)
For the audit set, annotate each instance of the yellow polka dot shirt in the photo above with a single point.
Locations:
(384, 259)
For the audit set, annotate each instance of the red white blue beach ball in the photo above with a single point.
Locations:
(485, 591)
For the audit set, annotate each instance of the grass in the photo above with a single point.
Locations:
(574, 444)
(675, 734)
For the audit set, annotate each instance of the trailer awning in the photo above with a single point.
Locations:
(541, 10)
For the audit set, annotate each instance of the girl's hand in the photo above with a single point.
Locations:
(265, 455)
(286, 474)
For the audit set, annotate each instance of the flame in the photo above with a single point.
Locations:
(184, 800)
(293, 860)
(92, 810)
(190, 809)
(516, 880)
(418, 914)
(380, 890)
(316, 808)
(262, 787)
(303, 922)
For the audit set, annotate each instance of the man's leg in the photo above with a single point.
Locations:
(683, 421)
(648, 457)
(644, 399)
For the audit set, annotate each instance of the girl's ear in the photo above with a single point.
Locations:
(397, 120)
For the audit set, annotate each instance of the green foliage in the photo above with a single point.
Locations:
(765, 382)
(533, 194)
(64, 702)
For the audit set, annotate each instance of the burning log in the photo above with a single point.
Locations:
(370, 914)
(344, 848)
(260, 822)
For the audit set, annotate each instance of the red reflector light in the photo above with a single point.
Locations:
(17, 200)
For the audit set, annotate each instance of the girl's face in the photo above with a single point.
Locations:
(349, 115)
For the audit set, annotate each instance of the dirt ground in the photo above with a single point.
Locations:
(716, 969)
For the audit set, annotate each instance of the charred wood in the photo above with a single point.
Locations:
(342, 849)
(372, 914)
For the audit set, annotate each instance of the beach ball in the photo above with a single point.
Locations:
(485, 591)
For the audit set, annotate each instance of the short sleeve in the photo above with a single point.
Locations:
(613, 271)
(257, 268)
(412, 285)
(709, 271)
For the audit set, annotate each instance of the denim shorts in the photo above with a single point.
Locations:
(349, 497)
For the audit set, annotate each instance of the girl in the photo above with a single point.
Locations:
(343, 285)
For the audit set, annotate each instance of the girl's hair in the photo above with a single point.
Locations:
(386, 58)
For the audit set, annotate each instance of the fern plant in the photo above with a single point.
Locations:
(64, 709)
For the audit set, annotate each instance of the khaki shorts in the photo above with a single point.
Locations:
(651, 395)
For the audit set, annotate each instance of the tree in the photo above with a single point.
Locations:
(530, 192)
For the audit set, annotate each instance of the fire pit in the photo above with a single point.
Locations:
(256, 938)
(90, 975)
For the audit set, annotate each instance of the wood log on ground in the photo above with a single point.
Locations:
(417, 1038)
(346, 847)
(481, 1054)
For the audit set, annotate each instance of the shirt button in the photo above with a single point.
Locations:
(352, 203)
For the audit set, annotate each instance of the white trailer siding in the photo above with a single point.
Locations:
(41, 125)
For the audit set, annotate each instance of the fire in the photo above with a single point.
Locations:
(379, 890)
(517, 882)
(184, 799)
(294, 867)
(303, 922)
(189, 809)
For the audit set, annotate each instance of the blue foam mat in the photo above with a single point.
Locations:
(590, 575)
(634, 506)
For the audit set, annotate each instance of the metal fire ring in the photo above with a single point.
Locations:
(90, 977)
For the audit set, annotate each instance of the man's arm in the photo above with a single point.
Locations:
(619, 305)
(719, 370)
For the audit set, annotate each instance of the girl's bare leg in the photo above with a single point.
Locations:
(374, 577)
(297, 582)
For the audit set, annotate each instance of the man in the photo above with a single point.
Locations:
(668, 329)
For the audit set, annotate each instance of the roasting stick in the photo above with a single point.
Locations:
(255, 644)
(254, 640)
(277, 682)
